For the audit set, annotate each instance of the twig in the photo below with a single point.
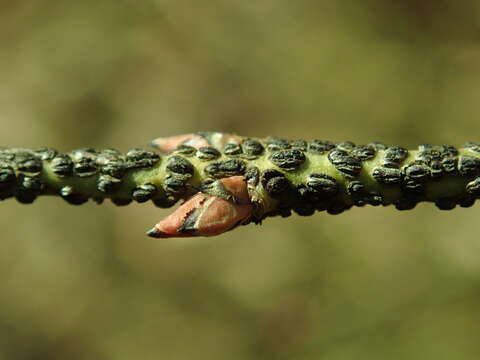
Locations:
(229, 180)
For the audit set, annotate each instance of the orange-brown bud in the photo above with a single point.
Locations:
(207, 214)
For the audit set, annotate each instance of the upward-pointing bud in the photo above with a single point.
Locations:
(167, 144)
(217, 140)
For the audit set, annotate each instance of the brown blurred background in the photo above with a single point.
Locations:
(373, 283)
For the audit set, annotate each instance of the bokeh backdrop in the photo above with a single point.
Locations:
(372, 283)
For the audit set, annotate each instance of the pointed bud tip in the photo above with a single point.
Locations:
(158, 234)
(154, 233)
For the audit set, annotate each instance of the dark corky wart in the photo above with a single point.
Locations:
(276, 144)
(84, 162)
(288, 159)
(364, 152)
(143, 193)
(345, 162)
(185, 150)
(469, 165)
(225, 168)
(232, 150)
(62, 165)
(179, 165)
(274, 182)
(208, 153)
(322, 186)
(138, 158)
(394, 155)
(386, 175)
(252, 148)
(107, 183)
(320, 146)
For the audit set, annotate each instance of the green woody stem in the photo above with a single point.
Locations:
(281, 175)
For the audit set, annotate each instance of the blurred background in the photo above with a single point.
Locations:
(372, 283)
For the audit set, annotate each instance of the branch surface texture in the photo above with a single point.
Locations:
(227, 180)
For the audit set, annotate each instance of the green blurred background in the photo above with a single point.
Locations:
(372, 283)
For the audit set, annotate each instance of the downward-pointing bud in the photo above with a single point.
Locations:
(207, 214)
